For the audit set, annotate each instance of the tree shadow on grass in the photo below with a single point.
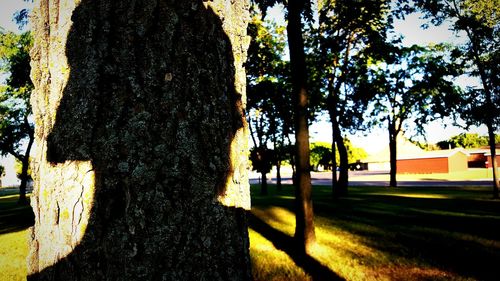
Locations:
(453, 235)
(14, 217)
(287, 244)
(460, 236)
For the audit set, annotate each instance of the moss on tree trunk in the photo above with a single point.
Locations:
(140, 166)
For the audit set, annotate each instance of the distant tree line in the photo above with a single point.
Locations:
(466, 140)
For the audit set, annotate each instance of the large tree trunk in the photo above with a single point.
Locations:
(141, 144)
(304, 228)
(494, 166)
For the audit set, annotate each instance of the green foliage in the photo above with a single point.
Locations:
(18, 167)
(479, 21)
(269, 101)
(413, 87)
(349, 36)
(321, 154)
(15, 109)
(2, 171)
(262, 159)
(466, 140)
(354, 154)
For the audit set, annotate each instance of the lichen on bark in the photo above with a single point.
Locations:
(141, 144)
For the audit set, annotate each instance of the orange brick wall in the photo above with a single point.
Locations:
(423, 166)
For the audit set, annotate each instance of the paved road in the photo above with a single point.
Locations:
(325, 179)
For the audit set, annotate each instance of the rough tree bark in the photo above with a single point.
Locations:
(304, 227)
(140, 162)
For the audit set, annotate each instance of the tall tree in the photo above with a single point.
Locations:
(304, 215)
(304, 222)
(349, 33)
(413, 86)
(480, 21)
(141, 162)
(269, 104)
(16, 129)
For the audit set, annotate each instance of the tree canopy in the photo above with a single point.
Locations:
(16, 127)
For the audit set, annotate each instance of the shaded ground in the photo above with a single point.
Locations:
(14, 217)
(425, 233)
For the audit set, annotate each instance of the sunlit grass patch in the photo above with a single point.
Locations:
(418, 195)
(269, 263)
(414, 233)
(13, 252)
(278, 218)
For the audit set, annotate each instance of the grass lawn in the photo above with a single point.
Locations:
(14, 221)
(373, 234)
(381, 234)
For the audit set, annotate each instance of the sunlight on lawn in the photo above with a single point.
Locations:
(345, 253)
(13, 252)
(269, 263)
(415, 195)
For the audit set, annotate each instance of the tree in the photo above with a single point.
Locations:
(480, 21)
(141, 168)
(262, 162)
(413, 86)
(349, 34)
(321, 154)
(304, 225)
(269, 104)
(16, 129)
(466, 140)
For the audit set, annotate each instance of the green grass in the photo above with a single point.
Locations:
(14, 221)
(375, 233)
(378, 233)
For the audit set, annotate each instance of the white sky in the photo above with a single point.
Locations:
(7, 10)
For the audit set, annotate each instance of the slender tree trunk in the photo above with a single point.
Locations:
(339, 183)
(263, 184)
(25, 162)
(304, 228)
(494, 165)
(344, 166)
(278, 175)
(141, 156)
(393, 157)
